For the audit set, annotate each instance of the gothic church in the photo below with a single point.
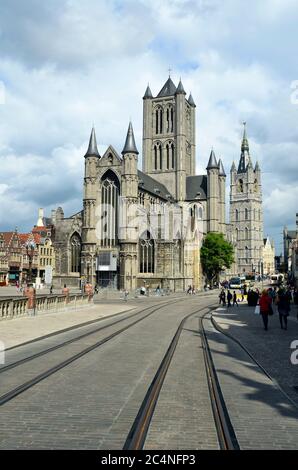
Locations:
(145, 228)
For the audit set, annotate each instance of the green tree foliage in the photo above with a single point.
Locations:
(216, 255)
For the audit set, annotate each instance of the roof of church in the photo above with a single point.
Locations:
(168, 89)
(191, 100)
(153, 186)
(212, 161)
(148, 93)
(180, 88)
(196, 187)
(92, 149)
(130, 145)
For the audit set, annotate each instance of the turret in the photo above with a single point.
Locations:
(130, 168)
(213, 192)
(222, 196)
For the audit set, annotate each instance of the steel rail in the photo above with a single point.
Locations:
(35, 380)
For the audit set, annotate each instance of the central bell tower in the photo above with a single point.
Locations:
(169, 137)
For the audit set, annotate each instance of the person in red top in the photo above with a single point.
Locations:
(265, 307)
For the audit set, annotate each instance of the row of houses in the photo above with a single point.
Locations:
(22, 252)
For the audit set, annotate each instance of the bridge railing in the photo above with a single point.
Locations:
(13, 308)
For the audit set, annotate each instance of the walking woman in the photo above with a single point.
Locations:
(283, 307)
(265, 307)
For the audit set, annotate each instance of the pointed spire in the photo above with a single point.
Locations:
(168, 89)
(130, 145)
(212, 161)
(221, 168)
(249, 164)
(148, 93)
(191, 101)
(233, 167)
(244, 145)
(92, 149)
(180, 88)
(257, 166)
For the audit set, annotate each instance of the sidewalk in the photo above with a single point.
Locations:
(262, 415)
(23, 329)
(270, 348)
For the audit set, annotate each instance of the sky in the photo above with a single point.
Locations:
(66, 64)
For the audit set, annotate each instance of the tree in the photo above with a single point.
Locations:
(216, 255)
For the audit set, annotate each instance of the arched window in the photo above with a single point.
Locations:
(173, 155)
(256, 186)
(237, 215)
(75, 246)
(240, 186)
(146, 254)
(158, 120)
(168, 155)
(109, 209)
(246, 214)
(158, 156)
(246, 233)
(178, 254)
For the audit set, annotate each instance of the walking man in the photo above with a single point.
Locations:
(235, 299)
(229, 298)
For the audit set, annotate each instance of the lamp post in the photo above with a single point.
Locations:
(30, 247)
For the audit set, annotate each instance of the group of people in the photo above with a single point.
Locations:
(191, 290)
(282, 298)
(226, 298)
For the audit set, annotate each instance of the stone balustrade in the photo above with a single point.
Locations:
(13, 308)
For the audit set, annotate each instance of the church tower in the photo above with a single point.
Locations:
(246, 214)
(169, 137)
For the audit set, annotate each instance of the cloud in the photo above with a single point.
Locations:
(66, 64)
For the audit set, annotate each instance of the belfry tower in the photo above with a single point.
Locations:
(169, 137)
(246, 214)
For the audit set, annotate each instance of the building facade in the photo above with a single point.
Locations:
(246, 213)
(268, 257)
(144, 228)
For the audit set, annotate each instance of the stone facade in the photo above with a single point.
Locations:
(246, 213)
(268, 257)
(144, 228)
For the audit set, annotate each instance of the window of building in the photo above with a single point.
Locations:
(237, 215)
(109, 212)
(246, 214)
(75, 245)
(146, 254)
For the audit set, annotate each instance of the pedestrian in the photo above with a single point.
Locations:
(65, 291)
(242, 294)
(265, 307)
(235, 299)
(125, 295)
(193, 290)
(189, 290)
(229, 298)
(283, 307)
(222, 298)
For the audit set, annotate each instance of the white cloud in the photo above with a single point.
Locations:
(66, 64)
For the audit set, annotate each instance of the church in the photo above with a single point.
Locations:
(144, 228)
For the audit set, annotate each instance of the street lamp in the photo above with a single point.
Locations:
(30, 247)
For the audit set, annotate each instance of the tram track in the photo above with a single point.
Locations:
(136, 437)
(17, 390)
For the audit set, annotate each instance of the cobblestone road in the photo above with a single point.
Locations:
(92, 403)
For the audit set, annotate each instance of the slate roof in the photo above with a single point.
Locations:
(150, 185)
(168, 89)
(194, 185)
